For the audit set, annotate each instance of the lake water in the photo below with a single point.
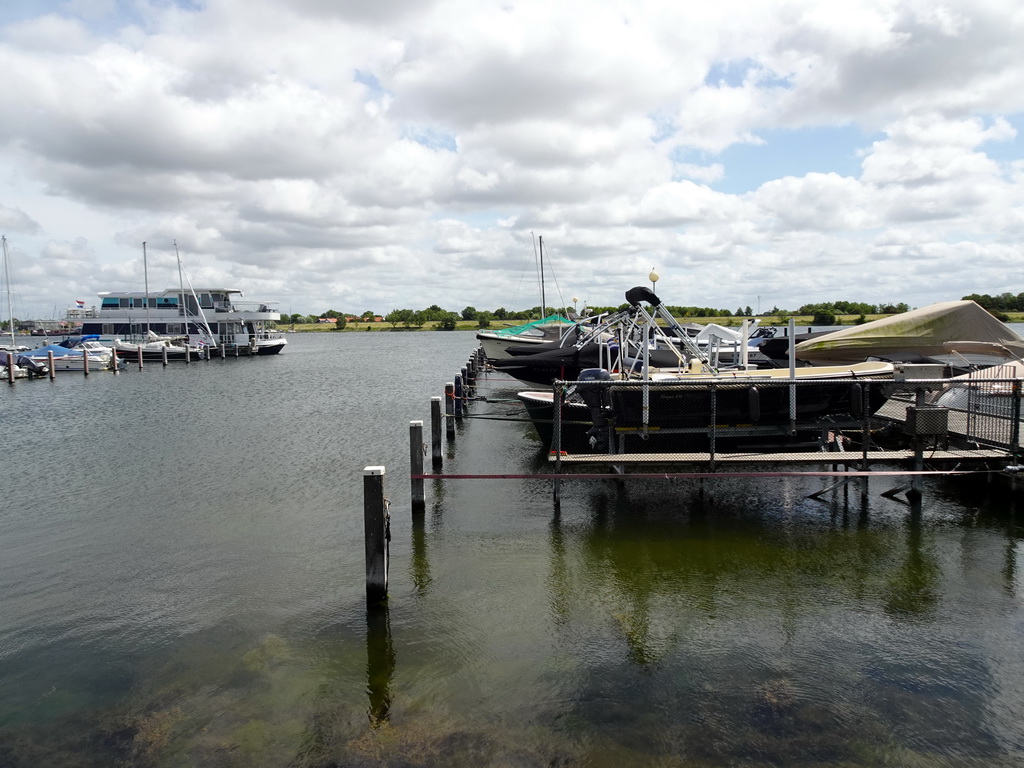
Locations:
(182, 583)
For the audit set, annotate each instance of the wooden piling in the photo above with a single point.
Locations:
(10, 368)
(163, 353)
(223, 351)
(465, 389)
(376, 534)
(85, 361)
(458, 396)
(416, 450)
(435, 432)
(49, 364)
(449, 410)
(138, 349)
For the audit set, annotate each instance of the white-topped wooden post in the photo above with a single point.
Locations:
(376, 533)
(49, 363)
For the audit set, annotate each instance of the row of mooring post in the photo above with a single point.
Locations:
(206, 353)
(376, 517)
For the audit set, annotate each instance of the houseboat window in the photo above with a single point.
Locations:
(205, 301)
(175, 329)
(108, 329)
(110, 302)
(124, 303)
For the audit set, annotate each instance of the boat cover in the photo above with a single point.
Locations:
(57, 349)
(912, 336)
(518, 329)
(75, 341)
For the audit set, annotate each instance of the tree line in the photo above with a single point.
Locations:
(821, 313)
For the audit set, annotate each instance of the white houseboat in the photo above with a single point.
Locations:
(207, 315)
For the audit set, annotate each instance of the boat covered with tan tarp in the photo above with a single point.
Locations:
(951, 332)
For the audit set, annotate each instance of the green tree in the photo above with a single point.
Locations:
(340, 323)
(824, 316)
(469, 313)
(367, 316)
(448, 322)
(396, 316)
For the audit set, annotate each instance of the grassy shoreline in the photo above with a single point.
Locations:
(802, 321)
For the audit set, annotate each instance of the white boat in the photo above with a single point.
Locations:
(155, 347)
(74, 358)
(174, 314)
(13, 346)
(176, 318)
(21, 365)
(496, 344)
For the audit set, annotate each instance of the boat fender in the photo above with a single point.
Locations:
(856, 400)
(754, 404)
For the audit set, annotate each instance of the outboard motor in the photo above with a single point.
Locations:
(596, 398)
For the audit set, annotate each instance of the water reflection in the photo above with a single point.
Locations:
(380, 663)
(912, 586)
(420, 565)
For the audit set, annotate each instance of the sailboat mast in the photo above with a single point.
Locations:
(181, 291)
(145, 277)
(7, 280)
(543, 301)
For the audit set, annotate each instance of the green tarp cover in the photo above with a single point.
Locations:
(516, 330)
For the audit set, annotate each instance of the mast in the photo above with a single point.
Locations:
(181, 291)
(543, 301)
(145, 275)
(7, 280)
(206, 324)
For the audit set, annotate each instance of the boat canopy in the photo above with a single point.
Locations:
(516, 330)
(910, 336)
(57, 349)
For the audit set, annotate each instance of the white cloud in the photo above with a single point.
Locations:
(400, 153)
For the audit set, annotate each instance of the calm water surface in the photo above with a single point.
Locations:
(181, 583)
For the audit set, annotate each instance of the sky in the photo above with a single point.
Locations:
(396, 154)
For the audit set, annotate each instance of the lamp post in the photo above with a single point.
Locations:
(653, 277)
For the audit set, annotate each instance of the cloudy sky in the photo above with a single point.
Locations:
(392, 154)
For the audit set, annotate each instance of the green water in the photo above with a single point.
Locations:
(184, 587)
